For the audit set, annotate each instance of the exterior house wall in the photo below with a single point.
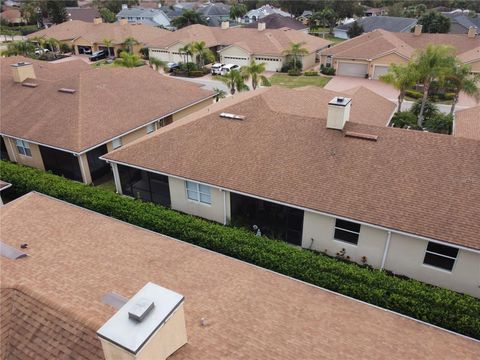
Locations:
(214, 211)
(137, 134)
(308, 61)
(475, 66)
(192, 109)
(385, 61)
(406, 254)
(35, 160)
(236, 52)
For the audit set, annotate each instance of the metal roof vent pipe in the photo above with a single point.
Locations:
(338, 112)
(22, 71)
(151, 325)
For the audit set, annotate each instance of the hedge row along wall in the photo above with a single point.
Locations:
(441, 307)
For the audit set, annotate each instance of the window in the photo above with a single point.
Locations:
(23, 148)
(150, 128)
(346, 231)
(198, 192)
(116, 143)
(440, 256)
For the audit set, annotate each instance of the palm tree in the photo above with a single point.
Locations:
(435, 62)
(238, 11)
(255, 71)
(203, 53)
(462, 79)
(129, 43)
(128, 60)
(186, 51)
(295, 51)
(157, 63)
(21, 47)
(188, 17)
(402, 77)
(235, 81)
(54, 44)
(220, 94)
(39, 40)
(108, 44)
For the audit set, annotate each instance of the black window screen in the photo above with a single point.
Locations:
(441, 256)
(347, 231)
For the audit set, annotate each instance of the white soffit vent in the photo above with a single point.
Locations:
(10, 252)
(114, 300)
(148, 310)
(232, 116)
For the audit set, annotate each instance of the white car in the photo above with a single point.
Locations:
(229, 67)
(217, 68)
(40, 51)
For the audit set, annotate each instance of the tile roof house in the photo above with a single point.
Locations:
(467, 123)
(239, 45)
(370, 23)
(57, 299)
(283, 169)
(86, 37)
(370, 54)
(12, 16)
(277, 21)
(61, 117)
(138, 15)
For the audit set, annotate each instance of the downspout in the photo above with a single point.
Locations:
(224, 207)
(116, 178)
(385, 252)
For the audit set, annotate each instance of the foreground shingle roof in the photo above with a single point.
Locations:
(51, 300)
(269, 41)
(467, 123)
(380, 42)
(107, 103)
(97, 33)
(414, 182)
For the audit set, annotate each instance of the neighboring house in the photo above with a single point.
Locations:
(82, 14)
(388, 23)
(151, 17)
(215, 13)
(12, 16)
(62, 117)
(467, 123)
(370, 54)
(293, 167)
(277, 21)
(239, 45)
(375, 12)
(71, 298)
(261, 12)
(305, 17)
(460, 23)
(86, 37)
(3, 186)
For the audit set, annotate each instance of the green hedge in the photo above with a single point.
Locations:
(445, 308)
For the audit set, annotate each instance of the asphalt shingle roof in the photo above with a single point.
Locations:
(389, 23)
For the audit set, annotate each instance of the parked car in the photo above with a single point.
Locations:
(98, 55)
(40, 51)
(172, 66)
(217, 68)
(229, 67)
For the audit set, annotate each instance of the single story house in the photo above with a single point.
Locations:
(277, 21)
(370, 54)
(239, 45)
(85, 37)
(82, 13)
(467, 123)
(460, 22)
(375, 11)
(262, 11)
(311, 169)
(371, 23)
(76, 294)
(138, 15)
(62, 117)
(12, 16)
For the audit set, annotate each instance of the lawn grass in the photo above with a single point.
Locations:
(298, 81)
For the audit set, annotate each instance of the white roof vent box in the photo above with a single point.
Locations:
(151, 325)
(232, 116)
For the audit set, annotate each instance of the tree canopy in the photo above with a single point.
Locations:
(434, 22)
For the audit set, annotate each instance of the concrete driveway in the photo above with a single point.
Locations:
(342, 83)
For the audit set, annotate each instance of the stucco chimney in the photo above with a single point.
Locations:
(472, 31)
(97, 20)
(22, 71)
(124, 6)
(225, 24)
(123, 21)
(262, 26)
(151, 325)
(418, 30)
(338, 112)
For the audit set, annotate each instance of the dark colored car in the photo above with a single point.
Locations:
(98, 55)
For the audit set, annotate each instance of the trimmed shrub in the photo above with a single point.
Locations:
(294, 72)
(405, 119)
(311, 73)
(442, 307)
(439, 123)
(429, 111)
(328, 70)
(414, 94)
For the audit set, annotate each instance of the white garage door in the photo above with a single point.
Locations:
(237, 60)
(271, 63)
(352, 69)
(379, 70)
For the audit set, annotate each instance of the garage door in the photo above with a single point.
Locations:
(237, 60)
(379, 70)
(271, 64)
(352, 69)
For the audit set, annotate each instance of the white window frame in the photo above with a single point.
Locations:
(23, 148)
(441, 255)
(335, 227)
(195, 190)
(150, 128)
(116, 143)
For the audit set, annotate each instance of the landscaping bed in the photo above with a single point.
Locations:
(438, 306)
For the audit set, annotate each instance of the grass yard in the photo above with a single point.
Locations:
(298, 81)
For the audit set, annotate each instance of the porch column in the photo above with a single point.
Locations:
(86, 179)
(116, 178)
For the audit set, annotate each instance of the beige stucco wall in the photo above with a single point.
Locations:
(134, 135)
(320, 228)
(406, 254)
(35, 160)
(475, 66)
(308, 61)
(192, 109)
(385, 60)
(214, 211)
